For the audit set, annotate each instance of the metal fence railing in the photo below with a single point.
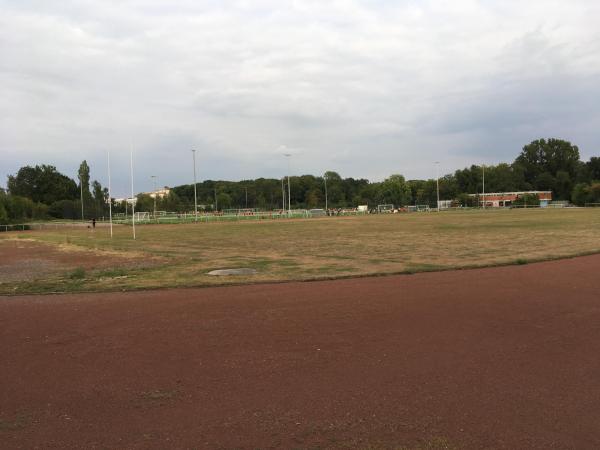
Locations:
(43, 226)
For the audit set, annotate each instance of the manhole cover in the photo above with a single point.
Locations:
(241, 271)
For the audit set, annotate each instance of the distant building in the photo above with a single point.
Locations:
(160, 193)
(501, 199)
(130, 201)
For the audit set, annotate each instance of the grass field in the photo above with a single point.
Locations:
(181, 255)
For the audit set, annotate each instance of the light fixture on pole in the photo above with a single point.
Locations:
(195, 195)
(437, 165)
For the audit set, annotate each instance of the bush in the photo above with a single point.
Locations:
(14, 209)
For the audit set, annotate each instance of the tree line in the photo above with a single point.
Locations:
(41, 192)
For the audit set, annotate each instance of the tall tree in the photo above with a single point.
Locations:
(84, 180)
(541, 160)
(593, 166)
(42, 183)
(394, 189)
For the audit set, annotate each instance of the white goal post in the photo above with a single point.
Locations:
(386, 208)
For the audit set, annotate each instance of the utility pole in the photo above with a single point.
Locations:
(195, 196)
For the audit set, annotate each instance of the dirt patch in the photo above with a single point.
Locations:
(28, 260)
(487, 358)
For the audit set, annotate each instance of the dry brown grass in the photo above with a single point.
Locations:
(328, 247)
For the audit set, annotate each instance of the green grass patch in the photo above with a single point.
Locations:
(77, 274)
(112, 273)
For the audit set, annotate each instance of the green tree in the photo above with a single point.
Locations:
(541, 160)
(395, 190)
(83, 175)
(586, 193)
(100, 199)
(336, 197)
(593, 166)
(42, 183)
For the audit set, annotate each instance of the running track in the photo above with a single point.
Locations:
(493, 358)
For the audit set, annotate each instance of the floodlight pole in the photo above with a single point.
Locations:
(216, 201)
(288, 156)
(325, 180)
(132, 197)
(283, 194)
(154, 185)
(483, 193)
(109, 197)
(195, 195)
(437, 165)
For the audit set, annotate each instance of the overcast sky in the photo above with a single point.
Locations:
(364, 87)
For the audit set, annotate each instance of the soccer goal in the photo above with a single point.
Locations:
(387, 208)
(142, 216)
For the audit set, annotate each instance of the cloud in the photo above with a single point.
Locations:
(363, 87)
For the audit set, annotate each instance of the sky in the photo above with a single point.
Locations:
(366, 88)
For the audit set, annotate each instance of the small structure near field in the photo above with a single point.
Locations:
(502, 199)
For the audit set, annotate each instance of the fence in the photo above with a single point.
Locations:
(217, 217)
(42, 226)
(233, 216)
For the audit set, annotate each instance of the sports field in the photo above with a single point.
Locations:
(181, 255)
(501, 357)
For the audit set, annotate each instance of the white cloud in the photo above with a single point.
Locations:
(363, 87)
